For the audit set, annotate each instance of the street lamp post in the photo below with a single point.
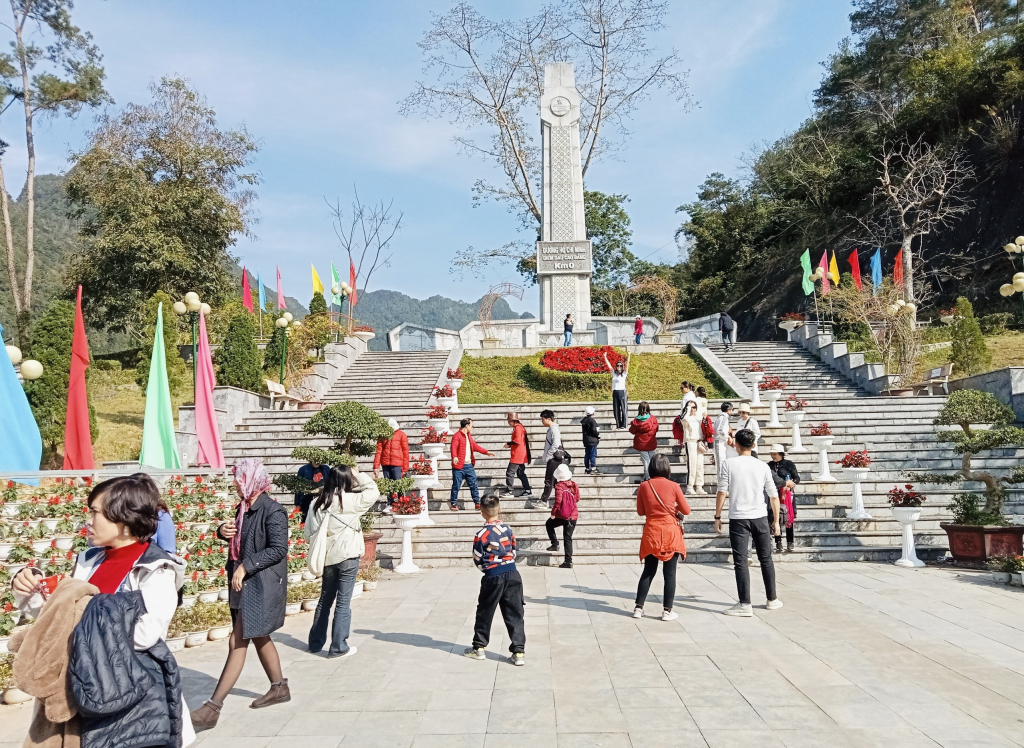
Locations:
(192, 306)
(1017, 283)
(343, 289)
(29, 370)
(287, 323)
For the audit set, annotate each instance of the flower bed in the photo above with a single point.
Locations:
(549, 380)
(581, 359)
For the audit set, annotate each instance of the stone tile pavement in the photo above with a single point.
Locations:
(861, 655)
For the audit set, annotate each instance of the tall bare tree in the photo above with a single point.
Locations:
(365, 232)
(58, 78)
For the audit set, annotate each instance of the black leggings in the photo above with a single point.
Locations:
(650, 569)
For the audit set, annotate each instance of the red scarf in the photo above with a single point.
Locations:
(116, 565)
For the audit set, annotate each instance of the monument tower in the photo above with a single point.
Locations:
(564, 257)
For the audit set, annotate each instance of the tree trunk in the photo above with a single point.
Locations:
(9, 237)
(908, 274)
(994, 492)
(30, 176)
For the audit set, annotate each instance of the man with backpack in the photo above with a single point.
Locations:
(564, 513)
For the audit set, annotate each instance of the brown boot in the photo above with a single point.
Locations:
(206, 716)
(278, 694)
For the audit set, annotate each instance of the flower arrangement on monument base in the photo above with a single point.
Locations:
(437, 411)
(755, 366)
(906, 496)
(581, 359)
(822, 430)
(855, 459)
(406, 505)
(795, 403)
(772, 383)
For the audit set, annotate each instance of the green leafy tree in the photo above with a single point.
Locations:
(968, 353)
(609, 233)
(274, 350)
(238, 358)
(162, 193)
(355, 428)
(178, 373)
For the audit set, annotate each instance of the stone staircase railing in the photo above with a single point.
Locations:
(872, 377)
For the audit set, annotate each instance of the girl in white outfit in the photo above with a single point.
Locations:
(693, 439)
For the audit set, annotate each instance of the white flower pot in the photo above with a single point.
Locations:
(196, 638)
(423, 482)
(5, 548)
(1016, 579)
(821, 445)
(293, 609)
(14, 695)
(208, 596)
(217, 633)
(440, 425)
(406, 523)
(13, 569)
(795, 417)
(857, 476)
(223, 595)
(357, 591)
(449, 402)
(432, 451)
(789, 326)
(175, 643)
(11, 510)
(455, 384)
(367, 586)
(40, 545)
(365, 335)
(187, 601)
(947, 319)
(1001, 577)
(3, 644)
(294, 577)
(310, 604)
(50, 523)
(307, 575)
(772, 396)
(755, 377)
(907, 516)
(199, 526)
(65, 542)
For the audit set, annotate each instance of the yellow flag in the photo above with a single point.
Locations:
(318, 287)
(833, 269)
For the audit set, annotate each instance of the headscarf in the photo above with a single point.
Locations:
(252, 476)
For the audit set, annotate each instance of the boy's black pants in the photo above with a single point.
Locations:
(504, 591)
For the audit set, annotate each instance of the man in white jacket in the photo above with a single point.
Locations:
(723, 438)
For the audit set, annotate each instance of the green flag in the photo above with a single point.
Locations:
(335, 281)
(159, 445)
(805, 265)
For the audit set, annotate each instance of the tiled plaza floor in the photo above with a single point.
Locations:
(861, 655)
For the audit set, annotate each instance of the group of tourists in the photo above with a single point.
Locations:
(568, 323)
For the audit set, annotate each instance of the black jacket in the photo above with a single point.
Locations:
(125, 698)
(591, 433)
(725, 323)
(782, 471)
(264, 553)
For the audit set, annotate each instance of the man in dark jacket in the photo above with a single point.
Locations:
(591, 438)
(728, 329)
(313, 472)
(786, 478)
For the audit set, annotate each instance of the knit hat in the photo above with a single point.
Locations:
(589, 410)
(562, 472)
(393, 423)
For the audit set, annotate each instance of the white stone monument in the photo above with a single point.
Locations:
(564, 257)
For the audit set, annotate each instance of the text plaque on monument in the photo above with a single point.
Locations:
(564, 257)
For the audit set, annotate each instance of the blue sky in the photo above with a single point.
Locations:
(318, 83)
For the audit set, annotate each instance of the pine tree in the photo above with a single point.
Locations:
(177, 371)
(272, 353)
(969, 353)
(317, 305)
(238, 359)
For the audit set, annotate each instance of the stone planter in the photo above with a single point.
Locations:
(440, 425)
(455, 384)
(448, 402)
(907, 516)
(1016, 579)
(175, 643)
(795, 417)
(821, 445)
(369, 557)
(217, 633)
(789, 326)
(1001, 577)
(292, 609)
(772, 396)
(857, 476)
(974, 543)
(367, 586)
(14, 695)
(406, 523)
(196, 638)
(432, 452)
(423, 482)
(311, 405)
(490, 343)
(755, 377)
(365, 335)
(311, 604)
(664, 338)
(208, 596)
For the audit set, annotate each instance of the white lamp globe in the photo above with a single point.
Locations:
(336, 289)
(194, 305)
(345, 287)
(296, 323)
(31, 369)
(205, 308)
(910, 308)
(900, 303)
(191, 296)
(179, 307)
(288, 316)
(1019, 241)
(1011, 248)
(1018, 285)
(1006, 290)
(281, 322)
(14, 353)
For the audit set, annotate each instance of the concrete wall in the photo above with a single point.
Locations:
(698, 330)
(619, 330)
(1006, 384)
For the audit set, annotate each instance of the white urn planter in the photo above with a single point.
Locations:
(365, 335)
(196, 638)
(425, 519)
(406, 523)
(293, 609)
(772, 396)
(455, 384)
(795, 417)
(14, 695)
(449, 402)
(175, 643)
(209, 596)
(422, 482)
(433, 452)
(907, 516)
(789, 326)
(755, 377)
(440, 425)
(821, 445)
(216, 633)
(64, 542)
(857, 476)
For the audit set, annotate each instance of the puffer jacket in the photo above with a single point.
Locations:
(344, 533)
(393, 451)
(645, 434)
(125, 698)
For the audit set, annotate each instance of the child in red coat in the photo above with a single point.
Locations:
(564, 513)
(644, 429)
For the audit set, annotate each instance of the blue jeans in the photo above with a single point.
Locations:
(589, 457)
(638, 336)
(392, 472)
(469, 474)
(338, 582)
(568, 338)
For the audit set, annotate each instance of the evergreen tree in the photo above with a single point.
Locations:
(177, 372)
(274, 350)
(969, 353)
(238, 359)
(317, 305)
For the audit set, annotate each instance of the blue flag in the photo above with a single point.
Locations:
(876, 270)
(263, 294)
(21, 449)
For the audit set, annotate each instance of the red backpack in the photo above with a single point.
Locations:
(707, 430)
(567, 497)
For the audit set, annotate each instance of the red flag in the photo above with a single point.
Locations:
(352, 282)
(855, 269)
(897, 272)
(823, 266)
(77, 439)
(246, 292)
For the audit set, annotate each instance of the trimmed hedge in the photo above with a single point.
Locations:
(549, 380)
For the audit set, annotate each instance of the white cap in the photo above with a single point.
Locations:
(639, 317)
(589, 410)
(393, 423)
(562, 472)
(743, 408)
(778, 449)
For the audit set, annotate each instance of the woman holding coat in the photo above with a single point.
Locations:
(257, 567)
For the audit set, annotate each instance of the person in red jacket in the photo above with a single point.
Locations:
(638, 328)
(464, 449)
(392, 456)
(565, 513)
(644, 429)
(518, 458)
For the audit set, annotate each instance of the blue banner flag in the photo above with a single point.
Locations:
(263, 294)
(21, 449)
(876, 270)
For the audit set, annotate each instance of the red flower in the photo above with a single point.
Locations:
(199, 479)
(170, 493)
(581, 360)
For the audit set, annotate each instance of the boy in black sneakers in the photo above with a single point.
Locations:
(494, 553)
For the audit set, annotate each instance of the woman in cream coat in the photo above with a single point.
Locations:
(346, 496)
(694, 440)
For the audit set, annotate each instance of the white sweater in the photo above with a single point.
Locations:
(344, 533)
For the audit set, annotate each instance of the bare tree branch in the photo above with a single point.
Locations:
(365, 233)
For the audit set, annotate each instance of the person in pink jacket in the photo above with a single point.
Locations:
(644, 429)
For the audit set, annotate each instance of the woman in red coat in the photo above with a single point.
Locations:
(659, 500)
(644, 429)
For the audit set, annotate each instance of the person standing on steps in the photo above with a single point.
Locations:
(518, 458)
(750, 423)
(313, 472)
(727, 328)
(723, 437)
(662, 505)
(744, 480)
(638, 329)
(567, 329)
(693, 438)
(677, 423)
(257, 551)
(644, 429)
(702, 402)
(564, 513)
(553, 456)
(464, 451)
(786, 478)
(591, 438)
(392, 456)
(620, 400)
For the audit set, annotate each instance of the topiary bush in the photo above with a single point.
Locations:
(355, 428)
(969, 353)
(317, 305)
(238, 360)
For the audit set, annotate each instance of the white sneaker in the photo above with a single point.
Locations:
(351, 651)
(669, 615)
(774, 604)
(739, 609)
(638, 612)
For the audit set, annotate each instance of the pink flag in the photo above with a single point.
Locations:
(823, 266)
(77, 439)
(246, 291)
(280, 293)
(207, 431)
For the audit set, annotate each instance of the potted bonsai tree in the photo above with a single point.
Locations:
(976, 534)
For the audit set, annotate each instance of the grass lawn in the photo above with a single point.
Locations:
(652, 376)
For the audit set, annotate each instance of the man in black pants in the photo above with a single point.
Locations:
(745, 480)
(727, 328)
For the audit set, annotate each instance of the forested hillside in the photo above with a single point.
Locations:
(945, 76)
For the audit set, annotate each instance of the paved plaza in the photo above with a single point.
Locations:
(862, 655)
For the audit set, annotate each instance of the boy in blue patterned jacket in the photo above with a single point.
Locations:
(494, 553)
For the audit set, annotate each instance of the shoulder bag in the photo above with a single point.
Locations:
(680, 517)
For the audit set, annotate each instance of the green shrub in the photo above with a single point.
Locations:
(966, 511)
(317, 305)
(238, 359)
(177, 369)
(995, 324)
(969, 353)
(549, 380)
(272, 353)
(354, 427)
(106, 364)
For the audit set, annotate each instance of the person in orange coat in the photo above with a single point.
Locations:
(392, 456)
(660, 500)
(644, 429)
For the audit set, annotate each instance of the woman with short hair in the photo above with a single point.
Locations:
(660, 501)
(644, 429)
